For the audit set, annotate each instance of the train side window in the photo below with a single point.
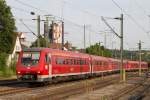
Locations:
(59, 61)
(81, 62)
(71, 61)
(102, 64)
(64, 62)
(78, 62)
(86, 62)
(75, 62)
(67, 61)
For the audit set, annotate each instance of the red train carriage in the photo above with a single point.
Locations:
(100, 64)
(115, 64)
(133, 65)
(144, 65)
(44, 64)
(69, 63)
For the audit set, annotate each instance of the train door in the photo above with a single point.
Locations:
(48, 64)
(91, 65)
(81, 66)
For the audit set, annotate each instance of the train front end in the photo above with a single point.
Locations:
(30, 66)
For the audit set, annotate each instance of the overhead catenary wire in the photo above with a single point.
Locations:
(41, 10)
(20, 9)
(139, 6)
(28, 27)
(28, 5)
(135, 22)
(46, 12)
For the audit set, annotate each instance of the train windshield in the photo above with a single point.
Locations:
(30, 58)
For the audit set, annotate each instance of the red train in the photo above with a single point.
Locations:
(44, 64)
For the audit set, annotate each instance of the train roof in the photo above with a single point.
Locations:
(33, 49)
(57, 52)
(75, 54)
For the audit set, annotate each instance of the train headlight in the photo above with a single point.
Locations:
(46, 66)
(38, 72)
(18, 72)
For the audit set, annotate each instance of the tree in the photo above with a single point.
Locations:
(7, 27)
(96, 49)
(43, 42)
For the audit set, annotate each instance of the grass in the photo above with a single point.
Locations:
(8, 71)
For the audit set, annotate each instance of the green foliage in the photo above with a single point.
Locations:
(8, 71)
(132, 55)
(2, 60)
(96, 49)
(43, 42)
(7, 27)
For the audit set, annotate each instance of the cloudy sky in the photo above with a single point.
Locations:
(76, 13)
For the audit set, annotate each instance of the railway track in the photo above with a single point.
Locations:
(66, 89)
(9, 82)
(63, 92)
(133, 92)
(60, 90)
(124, 92)
(12, 91)
(12, 86)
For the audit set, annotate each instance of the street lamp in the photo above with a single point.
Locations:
(38, 27)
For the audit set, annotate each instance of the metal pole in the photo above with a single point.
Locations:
(84, 38)
(38, 30)
(105, 40)
(62, 35)
(123, 74)
(140, 58)
(89, 36)
(99, 48)
(47, 31)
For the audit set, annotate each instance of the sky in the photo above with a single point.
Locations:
(77, 13)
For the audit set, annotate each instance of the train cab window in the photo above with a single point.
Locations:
(30, 58)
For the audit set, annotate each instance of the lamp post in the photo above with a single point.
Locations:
(38, 27)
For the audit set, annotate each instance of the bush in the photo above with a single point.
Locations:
(6, 71)
(3, 57)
